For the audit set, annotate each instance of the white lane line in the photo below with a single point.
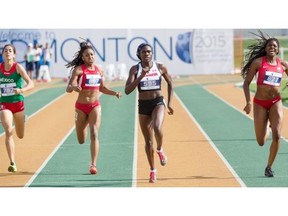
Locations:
(135, 153)
(49, 157)
(241, 111)
(211, 143)
(42, 108)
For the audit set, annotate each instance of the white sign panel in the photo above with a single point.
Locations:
(183, 51)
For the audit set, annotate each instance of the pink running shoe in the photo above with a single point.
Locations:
(152, 176)
(93, 170)
(163, 158)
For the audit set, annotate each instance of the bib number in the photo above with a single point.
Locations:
(272, 78)
(7, 89)
(150, 84)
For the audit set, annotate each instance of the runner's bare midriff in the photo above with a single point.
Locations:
(88, 96)
(266, 92)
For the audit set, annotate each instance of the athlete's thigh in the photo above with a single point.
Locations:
(146, 125)
(6, 119)
(19, 122)
(276, 116)
(81, 122)
(260, 120)
(158, 116)
(94, 117)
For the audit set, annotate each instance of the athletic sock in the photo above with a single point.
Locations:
(159, 150)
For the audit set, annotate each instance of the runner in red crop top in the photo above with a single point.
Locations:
(86, 80)
(270, 74)
(90, 79)
(263, 62)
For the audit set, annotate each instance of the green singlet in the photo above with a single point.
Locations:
(9, 80)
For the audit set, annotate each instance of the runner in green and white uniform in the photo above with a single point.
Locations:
(12, 75)
(9, 81)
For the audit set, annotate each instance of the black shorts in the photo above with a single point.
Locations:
(29, 66)
(146, 107)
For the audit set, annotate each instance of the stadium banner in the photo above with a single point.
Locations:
(183, 51)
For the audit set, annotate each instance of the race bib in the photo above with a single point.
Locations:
(150, 84)
(7, 89)
(93, 80)
(272, 78)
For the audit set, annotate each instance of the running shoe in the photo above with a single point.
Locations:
(93, 169)
(269, 172)
(163, 158)
(152, 176)
(12, 168)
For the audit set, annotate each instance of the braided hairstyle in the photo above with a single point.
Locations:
(256, 50)
(77, 58)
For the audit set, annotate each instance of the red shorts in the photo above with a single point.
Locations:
(86, 108)
(267, 104)
(13, 107)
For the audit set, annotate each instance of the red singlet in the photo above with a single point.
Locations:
(90, 79)
(270, 74)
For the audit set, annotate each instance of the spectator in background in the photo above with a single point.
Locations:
(37, 57)
(47, 55)
(45, 59)
(29, 60)
(1, 58)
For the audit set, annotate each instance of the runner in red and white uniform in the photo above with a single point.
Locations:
(262, 62)
(87, 81)
(270, 75)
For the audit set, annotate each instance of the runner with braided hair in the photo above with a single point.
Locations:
(263, 63)
(87, 80)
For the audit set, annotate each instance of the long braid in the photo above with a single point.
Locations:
(256, 50)
(77, 58)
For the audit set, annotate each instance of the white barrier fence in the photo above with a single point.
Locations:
(116, 72)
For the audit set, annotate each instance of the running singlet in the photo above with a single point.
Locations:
(9, 80)
(270, 74)
(90, 79)
(151, 81)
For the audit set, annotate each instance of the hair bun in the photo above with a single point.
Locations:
(83, 44)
